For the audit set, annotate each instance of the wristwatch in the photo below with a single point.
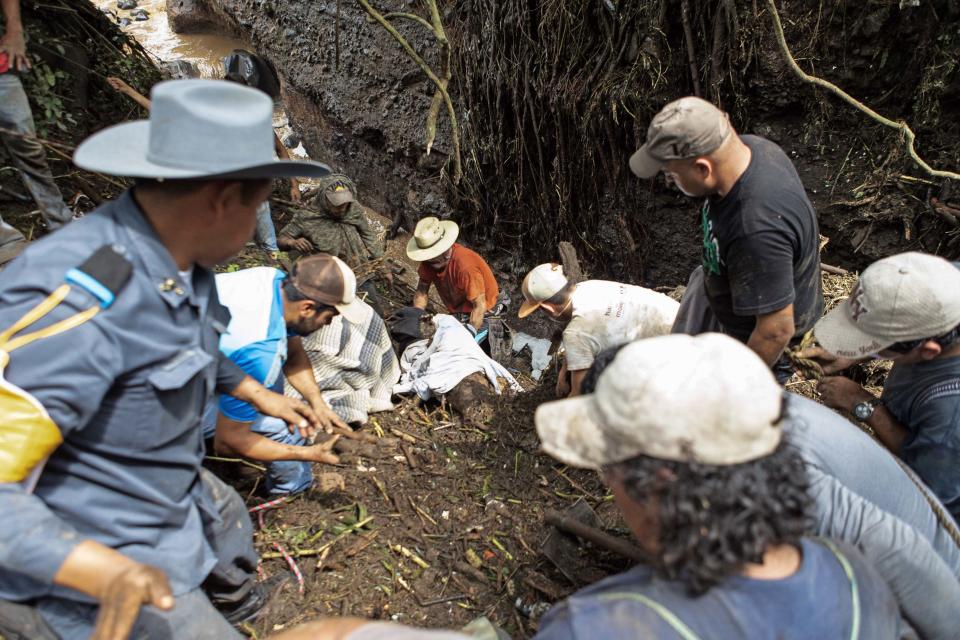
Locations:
(863, 410)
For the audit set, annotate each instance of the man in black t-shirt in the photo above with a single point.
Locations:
(761, 265)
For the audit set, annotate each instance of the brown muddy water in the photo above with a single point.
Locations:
(205, 51)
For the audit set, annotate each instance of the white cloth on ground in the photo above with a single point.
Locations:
(436, 366)
(607, 314)
(354, 365)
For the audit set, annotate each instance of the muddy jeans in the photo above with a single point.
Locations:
(28, 156)
(193, 615)
(284, 477)
(265, 235)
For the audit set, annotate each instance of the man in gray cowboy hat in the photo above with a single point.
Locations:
(463, 279)
(122, 515)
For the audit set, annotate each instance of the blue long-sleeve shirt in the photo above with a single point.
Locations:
(864, 497)
(127, 391)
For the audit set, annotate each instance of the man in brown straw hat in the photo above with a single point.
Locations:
(464, 280)
(760, 271)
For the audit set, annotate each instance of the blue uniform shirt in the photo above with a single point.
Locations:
(126, 390)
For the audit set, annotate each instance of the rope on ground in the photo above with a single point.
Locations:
(945, 520)
(901, 126)
(273, 504)
(301, 587)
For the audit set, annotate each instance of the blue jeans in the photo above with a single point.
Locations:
(265, 235)
(283, 476)
(28, 156)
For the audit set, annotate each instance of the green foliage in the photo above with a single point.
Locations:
(46, 87)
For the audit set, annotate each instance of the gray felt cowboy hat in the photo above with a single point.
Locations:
(431, 238)
(197, 129)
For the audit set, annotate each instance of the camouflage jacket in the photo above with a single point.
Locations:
(350, 238)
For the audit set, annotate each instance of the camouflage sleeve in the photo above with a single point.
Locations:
(292, 229)
(370, 238)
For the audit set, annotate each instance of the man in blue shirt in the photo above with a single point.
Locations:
(121, 514)
(905, 308)
(894, 521)
(698, 467)
(265, 306)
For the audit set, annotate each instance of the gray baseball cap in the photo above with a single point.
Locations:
(685, 128)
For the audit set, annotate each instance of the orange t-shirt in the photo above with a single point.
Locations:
(464, 278)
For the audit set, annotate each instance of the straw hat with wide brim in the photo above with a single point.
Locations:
(198, 129)
(431, 238)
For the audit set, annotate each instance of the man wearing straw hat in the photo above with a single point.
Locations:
(121, 514)
(463, 279)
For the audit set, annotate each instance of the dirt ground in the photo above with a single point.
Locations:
(437, 520)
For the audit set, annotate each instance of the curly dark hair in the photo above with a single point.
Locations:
(714, 519)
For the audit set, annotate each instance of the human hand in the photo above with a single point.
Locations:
(118, 85)
(563, 386)
(322, 452)
(841, 393)
(303, 245)
(296, 414)
(295, 191)
(828, 362)
(327, 417)
(13, 44)
(123, 596)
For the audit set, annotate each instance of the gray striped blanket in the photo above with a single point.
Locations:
(354, 365)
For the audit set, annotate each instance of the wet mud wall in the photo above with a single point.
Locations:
(551, 98)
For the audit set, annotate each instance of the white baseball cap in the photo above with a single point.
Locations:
(706, 399)
(904, 297)
(542, 283)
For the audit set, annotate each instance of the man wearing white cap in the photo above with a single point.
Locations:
(599, 314)
(905, 308)
(122, 514)
(697, 463)
(760, 267)
(464, 280)
(270, 312)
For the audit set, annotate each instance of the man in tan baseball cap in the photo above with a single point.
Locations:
(905, 308)
(760, 271)
(464, 280)
(598, 314)
(687, 434)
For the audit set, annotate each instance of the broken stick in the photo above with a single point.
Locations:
(591, 534)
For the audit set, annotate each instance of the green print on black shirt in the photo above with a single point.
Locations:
(711, 248)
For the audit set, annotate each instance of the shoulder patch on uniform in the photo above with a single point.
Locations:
(103, 274)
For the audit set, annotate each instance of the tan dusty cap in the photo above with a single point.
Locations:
(705, 398)
(685, 128)
(542, 283)
(901, 298)
(339, 194)
(329, 280)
